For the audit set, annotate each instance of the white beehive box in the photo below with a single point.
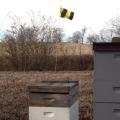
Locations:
(54, 100)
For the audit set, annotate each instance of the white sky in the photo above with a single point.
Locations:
(90, 13)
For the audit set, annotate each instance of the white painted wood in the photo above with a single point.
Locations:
(54, 113)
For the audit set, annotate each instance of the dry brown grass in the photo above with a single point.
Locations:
(64, 48)
(14, 94)
(30, 56)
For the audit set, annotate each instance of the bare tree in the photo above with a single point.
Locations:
(83, 32)
(78, 36)
(93, 38)
(115, 25)
(27, 45)
(106, 35)
(112, 29)
(57, 35)
(75, 37)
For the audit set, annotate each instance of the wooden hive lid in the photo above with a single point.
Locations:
(113, 46)
(106, 47)
(64, 87)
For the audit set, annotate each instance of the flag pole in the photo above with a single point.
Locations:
(59, 11)
(56, 56)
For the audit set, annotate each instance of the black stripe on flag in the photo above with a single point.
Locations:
(63, 13)
(71, 15)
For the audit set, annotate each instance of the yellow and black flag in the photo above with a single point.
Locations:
(64, 13)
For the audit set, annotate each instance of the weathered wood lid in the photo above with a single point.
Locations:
(53, 93)
(107, 47)
(113, 46)
(53, 86)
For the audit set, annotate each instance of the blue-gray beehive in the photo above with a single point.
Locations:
(107, 80)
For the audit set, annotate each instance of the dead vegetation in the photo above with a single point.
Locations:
(14, 99)
(38, 45)
(33, 55)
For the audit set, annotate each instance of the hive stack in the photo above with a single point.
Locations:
(54, 100)
(107, 81)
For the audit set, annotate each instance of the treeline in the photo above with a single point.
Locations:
(73, 63)
(25, 46)
(35, 56)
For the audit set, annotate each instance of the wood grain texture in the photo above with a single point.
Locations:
(52, 94)
(107, 47)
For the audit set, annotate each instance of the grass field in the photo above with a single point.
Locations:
(14, 99)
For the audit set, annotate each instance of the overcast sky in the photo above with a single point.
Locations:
(90, 13)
